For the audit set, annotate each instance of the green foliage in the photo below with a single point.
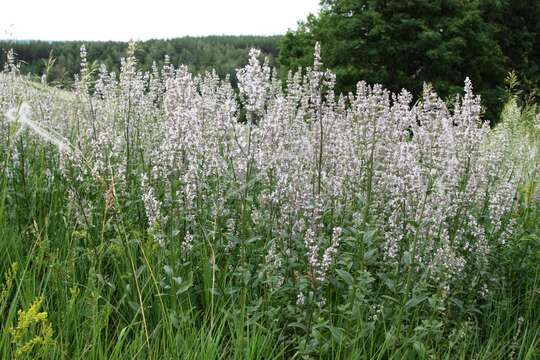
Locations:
(60, 61)
(404, 44)
(516, 30)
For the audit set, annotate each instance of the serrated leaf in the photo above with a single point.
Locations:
(133, 305)
(168, 270)
(368, 236)
(368, 255)
(184, 287)
(457, 302)
(390, 338)
(390, 284)
(415, 300)
(420, 348)
(348, 278)
(337, 333)
(186, 284)
(407, 258)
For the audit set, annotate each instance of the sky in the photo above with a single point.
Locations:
(125, 20)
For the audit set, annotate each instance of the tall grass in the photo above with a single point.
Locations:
(165, 215)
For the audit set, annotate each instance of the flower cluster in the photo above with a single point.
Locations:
(285, 158)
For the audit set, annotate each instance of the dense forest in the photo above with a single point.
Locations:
(223, 53)
(404, 44)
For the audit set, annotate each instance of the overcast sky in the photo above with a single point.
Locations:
(145, 19)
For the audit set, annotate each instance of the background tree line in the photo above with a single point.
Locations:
(222, 53)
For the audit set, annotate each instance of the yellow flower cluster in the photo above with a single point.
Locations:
(34, 324)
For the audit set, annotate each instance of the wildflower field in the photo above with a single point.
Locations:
(168, 215)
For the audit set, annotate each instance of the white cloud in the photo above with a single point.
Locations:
(141, 20)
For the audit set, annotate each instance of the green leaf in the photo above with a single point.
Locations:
(390, 338)
(390, 298)
(347, 277)
(337, 333)
(415, 300)
(184, 287)
(369, 235)
(390, 284)
(420, 348)
(133, 305)
(168, 270)
(252, 240)
(407, 258)
(298, 325)
(368, 255)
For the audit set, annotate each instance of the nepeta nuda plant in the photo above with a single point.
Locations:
(287, 163)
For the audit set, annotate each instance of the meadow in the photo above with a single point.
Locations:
(169, 215)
